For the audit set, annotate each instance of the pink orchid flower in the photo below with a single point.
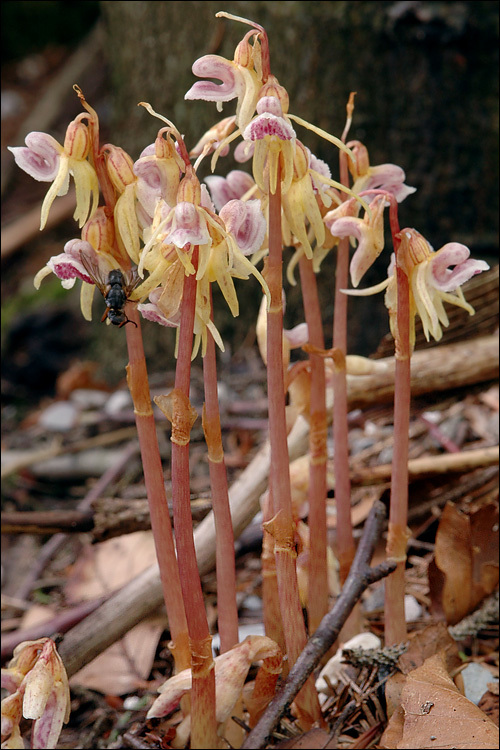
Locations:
(434, 278)
(37, 680)
(240, 78)
(44, 159)
(158, 172)
(223, 241)
(388, 177)
(368, 231)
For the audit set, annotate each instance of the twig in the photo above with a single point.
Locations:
(431, 466)
(60, 623)
(47, 522)
(359, 578)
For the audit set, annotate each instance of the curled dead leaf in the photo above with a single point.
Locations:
(433, 713)
(465, 565)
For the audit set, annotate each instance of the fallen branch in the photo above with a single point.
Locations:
(360, 577)
(431, 466)
(46, 521)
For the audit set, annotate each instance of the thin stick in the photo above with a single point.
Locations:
(359, 578)
(52, 547)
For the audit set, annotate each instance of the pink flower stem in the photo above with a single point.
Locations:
(317, 593)
(137, 379)
(282, 526)
(345, 538)
(224, 538)
(203, 722)
(395, 623)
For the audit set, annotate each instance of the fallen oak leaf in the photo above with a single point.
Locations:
(435, 714)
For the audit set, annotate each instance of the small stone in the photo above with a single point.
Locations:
(476, 679)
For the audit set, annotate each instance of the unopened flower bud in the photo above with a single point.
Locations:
(99, 231)
(362, 164)
(243, 54)
(414, 249)
(119, 166)
(189, 189)
(164, 146)
(273, 88)
(300, 161)
(77, 140)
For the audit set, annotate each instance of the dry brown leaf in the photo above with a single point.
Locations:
(124, 666)
(107, 566)
(434, 714)
(484, 544)
(465, 565)
(103, 568)
(426, 643)
(422, 645)
(489, 704)
(437, 715)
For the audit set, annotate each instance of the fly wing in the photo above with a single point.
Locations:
(94, 272)
(131, 279)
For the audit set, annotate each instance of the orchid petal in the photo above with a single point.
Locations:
(246, 223)
(232, 187)
(126, 222)
(60, 186)
(453, 254)
(190, 228)
(388, 177)
(212, 66)
(41, 157)
(297, 336)
(86, 185)
(244, 151)
(268, 124)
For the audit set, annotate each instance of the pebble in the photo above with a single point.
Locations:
(60, 416)
(476, 679)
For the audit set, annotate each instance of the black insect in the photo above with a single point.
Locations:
(116, 290)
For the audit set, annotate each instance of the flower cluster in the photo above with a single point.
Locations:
(38, 687)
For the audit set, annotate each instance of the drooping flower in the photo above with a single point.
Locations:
(96, 246)
(37, 681)
(269, 136)
(274, 143)
(388, 177)
(241, 78)
(44, 159)
(369, 232)
(231, 669)
(434, 278)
